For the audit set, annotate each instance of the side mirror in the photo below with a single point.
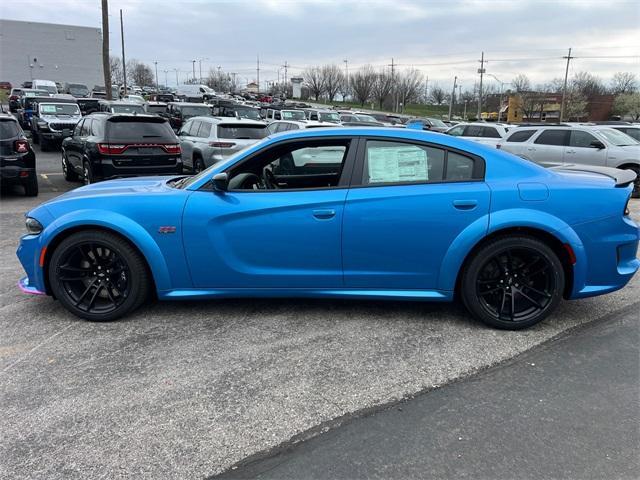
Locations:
(220, 182)
(597, 144)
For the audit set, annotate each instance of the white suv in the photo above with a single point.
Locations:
(487, 133)
(568, 144)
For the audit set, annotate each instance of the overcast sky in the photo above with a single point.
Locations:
(441, 38)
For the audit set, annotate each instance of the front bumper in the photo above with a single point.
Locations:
(26, 287)
(29, 252)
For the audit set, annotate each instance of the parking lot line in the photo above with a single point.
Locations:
(46, 177)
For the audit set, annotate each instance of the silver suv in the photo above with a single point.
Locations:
(568, 144)
(208, 140)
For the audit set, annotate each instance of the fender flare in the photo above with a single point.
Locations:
(122, 225)
(471, 236)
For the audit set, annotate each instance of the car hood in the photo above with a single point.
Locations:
(125, 186)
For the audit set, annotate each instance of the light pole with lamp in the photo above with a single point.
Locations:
(502, 84)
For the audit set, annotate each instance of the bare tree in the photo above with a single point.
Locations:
(521, 83)
(576, 105)
(362, 83)
(409, 86)
(332, 79)
(115, 66)
(587, 85)
(382, 88)
(139, 73)
(624, 82)
(315, 81)
(218, 80)
(437, 94)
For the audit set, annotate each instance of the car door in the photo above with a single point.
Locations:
(73, 146)
(584, 148)
(408, 203)
(276, 238)
(547, 148)
(186, 142)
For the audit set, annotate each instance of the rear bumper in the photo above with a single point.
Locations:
(15, 174)
(105, 169)
(610, 246)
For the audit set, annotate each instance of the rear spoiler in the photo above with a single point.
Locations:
(622, 178)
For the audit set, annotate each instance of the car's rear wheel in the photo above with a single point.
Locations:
(69, 173)
(87, 173)
(44, 144)
(35, 137)
(198, 165)
(98, 276)
(512, 282)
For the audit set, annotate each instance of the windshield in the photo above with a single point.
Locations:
(59, 109)
(365, 118)
(48, 88)
(437, 123)
(195, 111)
(76, 89)
(617, 138)
(328, 117)
(250, 113)
(293, 115)
(127, 109)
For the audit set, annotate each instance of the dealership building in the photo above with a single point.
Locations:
(62, 53)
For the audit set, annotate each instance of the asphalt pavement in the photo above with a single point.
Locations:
(568, 409)
(186, 390)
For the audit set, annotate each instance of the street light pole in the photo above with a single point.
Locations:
(453, 94)
(156, 64)
(165, 78)
(481, 71)
(177, 83)
(124, 62)
(194, 70)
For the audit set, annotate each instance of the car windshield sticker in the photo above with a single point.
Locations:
(397, 164)
(48, 108)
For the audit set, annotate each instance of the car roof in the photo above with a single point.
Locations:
(235, 121)
(190, 104)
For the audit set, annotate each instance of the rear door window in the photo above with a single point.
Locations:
(205, 130)
(490, 132)
(473, 131)
(520, 136)
(394, 162)
(553, 137)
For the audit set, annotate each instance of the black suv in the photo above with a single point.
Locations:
(179, 112)
(105, 146)
(17, 159)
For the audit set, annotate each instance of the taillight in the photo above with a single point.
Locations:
(21, 146)
(108, 149)
(221, 144)
(172, 149)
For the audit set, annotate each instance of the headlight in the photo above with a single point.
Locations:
(43, 125)
(34, 227)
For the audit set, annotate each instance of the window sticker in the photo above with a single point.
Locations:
(405, 163)
(48, 108)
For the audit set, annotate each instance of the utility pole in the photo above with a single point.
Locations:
(106, 65)
(193, 64)
(453, 95)
(258, 72)
(459, 93)
(426, 90)
(564, 86)
(177, 83)
(200, 69)
(124, 63)
(393, 84)
(156, 64)
(286, 66)
(481, 71)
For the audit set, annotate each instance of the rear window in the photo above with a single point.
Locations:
(253, 132)
(127, 109)
(195, 111)
(156, 108)
(131, 131)
(520, 136)
(8, 129)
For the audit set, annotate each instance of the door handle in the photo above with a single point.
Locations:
(324, 214)
(531, 149)
(465, 204)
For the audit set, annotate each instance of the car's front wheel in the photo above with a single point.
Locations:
(67, 170)
(98, 276)
(512, 282)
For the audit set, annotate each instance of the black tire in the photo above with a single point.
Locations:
(34, 137)
(636, 183)
(517, 272)
(69, 173)
(44, 144)
(87, 173)
(31, 186)
(79, 274)
(198, 165)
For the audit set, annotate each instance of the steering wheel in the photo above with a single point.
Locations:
(270, 179)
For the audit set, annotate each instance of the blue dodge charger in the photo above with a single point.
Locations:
(342, 212)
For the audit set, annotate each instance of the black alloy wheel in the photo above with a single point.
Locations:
(98, 276)
(67, 171)
(513, 282)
